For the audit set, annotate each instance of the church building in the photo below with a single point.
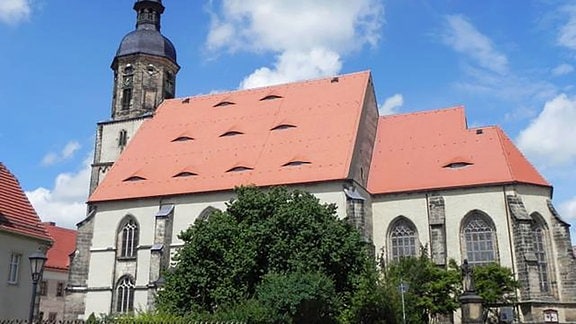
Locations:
(404, 181)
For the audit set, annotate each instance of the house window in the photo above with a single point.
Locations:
(403, 239)
(479, 236)
(129, 239)
(60, 289)
(43, 288)
(125, 295)
(14, 268)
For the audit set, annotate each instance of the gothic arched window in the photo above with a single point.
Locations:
(403, 239)
(125, 294)
(206, 213)
(128, 238)
(479, 239)
(540, 247)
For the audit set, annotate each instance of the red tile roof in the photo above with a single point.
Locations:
(16, 213)
(64, 245)
(293, 133)
(435, 150)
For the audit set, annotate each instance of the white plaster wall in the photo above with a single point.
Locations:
(110, 133)
(105, 270)
(98, 302)
(458, 203)
(15, 298)
(386, 208)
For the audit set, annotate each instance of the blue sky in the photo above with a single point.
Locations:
(510, 63)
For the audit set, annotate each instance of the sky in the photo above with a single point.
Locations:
(510, 63)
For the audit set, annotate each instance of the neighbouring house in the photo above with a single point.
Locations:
(405, 181)
(21, 234)
(52, 287)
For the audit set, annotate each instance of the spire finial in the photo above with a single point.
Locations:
(148, 13)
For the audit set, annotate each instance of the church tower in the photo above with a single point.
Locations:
(145, 69)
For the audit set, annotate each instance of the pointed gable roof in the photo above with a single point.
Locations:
(64, 245)
(293, 133)
(435, 150)
(16, 213)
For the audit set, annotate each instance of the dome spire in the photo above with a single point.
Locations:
(148, 14)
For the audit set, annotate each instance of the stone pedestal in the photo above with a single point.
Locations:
(472, 310)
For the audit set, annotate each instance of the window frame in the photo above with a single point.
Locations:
(128, 238)
(409, 242)
(124, 293)
(14, 268)
(479, 244)
(541, 244)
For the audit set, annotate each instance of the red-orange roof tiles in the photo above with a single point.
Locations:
(435, 150)
(325, 114)
(16, 213)
(64, 245)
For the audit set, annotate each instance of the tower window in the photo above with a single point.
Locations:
(126, 98)
(122, 138)
(128, 239)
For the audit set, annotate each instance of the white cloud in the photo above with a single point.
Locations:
(562, 69)
(568, 209)
(14, 11)
(66, 153)
(65, 202)
(292, 65)
(550, 137)
(391, 105)
(308, 38)
(567, 33)
(464, 38)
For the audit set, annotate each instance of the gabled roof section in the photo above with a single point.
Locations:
(325, 116)
(436, 150)
(18, 215)
(64, 245)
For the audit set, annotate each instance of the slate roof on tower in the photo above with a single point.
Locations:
(293, 133)
(16, 213)
(436, 150)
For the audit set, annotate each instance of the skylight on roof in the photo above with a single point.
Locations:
(183, 138)
(240, 169)
(457, 165)
(282, 126)
(231, 133)
(224, 103)
(271, 97)
(184, 174)
(296, 163)
(134, 178)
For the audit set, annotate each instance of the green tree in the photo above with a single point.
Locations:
(495, 284)
(264, 234)
(432, 290)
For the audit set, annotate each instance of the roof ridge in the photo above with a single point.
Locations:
(230, 93)
(426, 112)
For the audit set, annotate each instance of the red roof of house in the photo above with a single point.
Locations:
(292, 133)
(64, 245)
(16, 213)
(435, 149)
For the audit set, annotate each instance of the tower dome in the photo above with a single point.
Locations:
(147, 39)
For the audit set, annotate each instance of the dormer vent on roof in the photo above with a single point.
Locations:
(271, 97)
(185, 101)
(183, 138)
(335, 80)
(224, 103)
(185, 174)
(282, 126)
(296, 163)
(457, 165)
(231, 133)
(134, 179)
(240, 169)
